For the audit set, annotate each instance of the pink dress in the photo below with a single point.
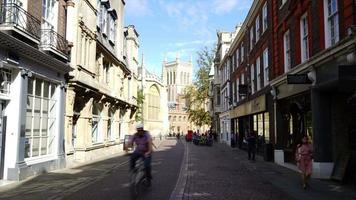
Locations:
(304, 156)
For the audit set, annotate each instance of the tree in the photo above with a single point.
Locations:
(197, 95)
(139, 113)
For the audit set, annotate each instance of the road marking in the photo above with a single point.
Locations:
(178, 192)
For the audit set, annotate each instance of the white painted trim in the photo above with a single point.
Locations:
(40, 159)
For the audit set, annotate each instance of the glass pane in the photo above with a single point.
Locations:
(51, 126)
(53, 88)
(38, 87)
(37, 110)
(255, 122)
(266, 121)
(260, 125)
(45, 89)
(52, 109)
(50, 144)
(36, 126)
(35, 147)
(28, 126)
(30, 86)
(27, 147)
(44, 146)
(29, 105)
(44, 126)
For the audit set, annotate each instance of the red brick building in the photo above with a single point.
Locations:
(314, 79)
(296, 75)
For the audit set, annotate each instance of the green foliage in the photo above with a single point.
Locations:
(197, 95)
(139, 112)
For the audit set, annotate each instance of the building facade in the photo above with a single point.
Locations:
(99, 108)
(177, 75)
(155, 109)
(323, 107)
(223, 105)
(34, 56)
(293, 74)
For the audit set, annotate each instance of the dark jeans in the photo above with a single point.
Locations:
(251, 152)
(146, 161)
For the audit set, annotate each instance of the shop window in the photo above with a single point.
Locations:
(96, 119)
(40, 118)
(266, 127)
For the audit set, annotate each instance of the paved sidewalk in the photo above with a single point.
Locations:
(50, 186)
(289, 181)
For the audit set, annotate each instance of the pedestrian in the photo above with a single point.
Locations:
(251, 145)
(304, 157)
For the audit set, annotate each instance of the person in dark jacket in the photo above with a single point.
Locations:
(251, 145)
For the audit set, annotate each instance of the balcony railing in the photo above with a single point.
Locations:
(13, 15)
(50, 39)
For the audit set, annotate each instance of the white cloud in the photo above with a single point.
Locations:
(226, 6)
(138, 8)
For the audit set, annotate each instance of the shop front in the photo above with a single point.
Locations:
(253, 115)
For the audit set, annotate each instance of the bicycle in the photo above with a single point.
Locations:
(138, 182)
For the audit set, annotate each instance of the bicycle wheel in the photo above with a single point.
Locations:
(134, 186)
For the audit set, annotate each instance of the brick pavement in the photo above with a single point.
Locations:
(220, 172)
(213, 173)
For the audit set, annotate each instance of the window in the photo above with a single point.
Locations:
(96, 118)
(304, 37)
(112, 29)
(242, 52)
(238, 57)
(237, 89)
(258, 31)
(252, 79)
(40, 118)
(251, 38)
(48, 14)
(5, 81)
(154, 103)
(331, 22)
(233, 92)
(106, 72)
(104, 19)
(242, 83)
(287, 56)
(258, 70)
(99, 14)
(265, 67)
(218, 96)
(264, 18)
(111, 120)
(233, 62)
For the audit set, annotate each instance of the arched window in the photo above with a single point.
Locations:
(153, 103)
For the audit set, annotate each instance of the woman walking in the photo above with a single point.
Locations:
(304, 156)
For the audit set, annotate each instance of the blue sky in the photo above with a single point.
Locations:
(185, 26)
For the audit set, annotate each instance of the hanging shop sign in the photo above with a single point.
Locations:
(298, 79)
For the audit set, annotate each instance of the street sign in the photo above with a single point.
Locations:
(298, 79)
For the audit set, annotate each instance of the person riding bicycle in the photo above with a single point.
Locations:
(143, 150)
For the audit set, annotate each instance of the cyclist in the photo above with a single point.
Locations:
(143, 150)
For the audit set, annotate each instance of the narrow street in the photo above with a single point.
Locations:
(181, 171)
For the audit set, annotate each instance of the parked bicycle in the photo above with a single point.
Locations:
(138, 182)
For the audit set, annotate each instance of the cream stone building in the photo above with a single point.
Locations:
(155, 110)
(177, 75)
(100, 105)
